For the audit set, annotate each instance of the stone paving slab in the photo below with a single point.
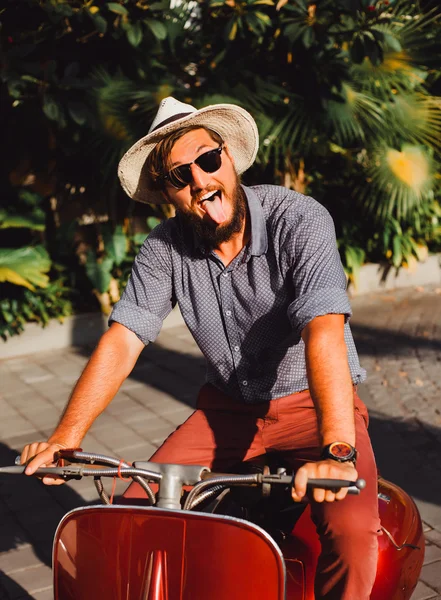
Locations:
(398, 335)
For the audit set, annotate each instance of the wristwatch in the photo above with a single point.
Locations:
(340, 451)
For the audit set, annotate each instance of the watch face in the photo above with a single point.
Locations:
(341, 450)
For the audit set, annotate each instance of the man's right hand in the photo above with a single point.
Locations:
(41, 454)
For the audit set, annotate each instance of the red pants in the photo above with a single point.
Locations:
(222, 432)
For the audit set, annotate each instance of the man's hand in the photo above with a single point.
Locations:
(41, 454)
(324, 469)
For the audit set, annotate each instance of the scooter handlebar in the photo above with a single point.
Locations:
(76, 472)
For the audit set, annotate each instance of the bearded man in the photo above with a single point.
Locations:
(258, 280)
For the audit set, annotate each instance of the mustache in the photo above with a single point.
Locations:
(197, 197)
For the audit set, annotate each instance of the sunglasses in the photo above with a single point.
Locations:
(181, 176)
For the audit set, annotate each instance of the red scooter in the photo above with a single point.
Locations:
(208, 536)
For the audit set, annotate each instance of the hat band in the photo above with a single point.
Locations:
(170, 120)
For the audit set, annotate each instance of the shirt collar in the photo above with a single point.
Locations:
(259, 238)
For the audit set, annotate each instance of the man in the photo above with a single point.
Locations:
(258, 280)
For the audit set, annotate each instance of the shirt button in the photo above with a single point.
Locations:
(228, 313)
(245, 382)
(236, 348)
(225, 274)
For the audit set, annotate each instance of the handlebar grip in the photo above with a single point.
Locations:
(65, 473)
(334, 484)
(18, 469)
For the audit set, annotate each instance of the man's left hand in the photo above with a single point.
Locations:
(323, 469)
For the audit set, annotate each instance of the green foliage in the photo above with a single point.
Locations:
(116, 244)
(20, 306)
(349, 75)
(25, 266)
(9, 221)
(99, 271)
(344, 93)
(108, 268)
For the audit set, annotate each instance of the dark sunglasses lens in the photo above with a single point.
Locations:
(180, 177)
(210, 161)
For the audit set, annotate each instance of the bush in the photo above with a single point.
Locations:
(21, 305)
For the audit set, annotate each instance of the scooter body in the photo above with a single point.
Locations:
(400, 557)
(150, 553)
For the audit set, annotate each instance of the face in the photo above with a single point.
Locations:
(212, 203)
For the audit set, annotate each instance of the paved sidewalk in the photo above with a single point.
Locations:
(398, 335)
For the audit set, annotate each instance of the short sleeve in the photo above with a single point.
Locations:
(314, 268)
(148, 297)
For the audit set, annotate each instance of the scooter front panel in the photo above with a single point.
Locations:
(135, 553)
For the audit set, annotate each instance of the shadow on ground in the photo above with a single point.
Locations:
(384, 342)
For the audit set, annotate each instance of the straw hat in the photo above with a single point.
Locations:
(234, 124)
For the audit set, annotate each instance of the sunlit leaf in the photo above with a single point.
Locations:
(409, 166)
(399, 180)
(36, 223)
(231, 29)
(119, 9)
(25, 266)
(7, 274)
(263, 17)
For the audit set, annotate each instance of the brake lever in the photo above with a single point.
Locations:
(68, 454)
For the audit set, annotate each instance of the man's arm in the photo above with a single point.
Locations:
(110, 364)
(333, 395)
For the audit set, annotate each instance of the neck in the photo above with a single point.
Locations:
(227, 251)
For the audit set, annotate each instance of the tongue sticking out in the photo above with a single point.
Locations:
(214, 209)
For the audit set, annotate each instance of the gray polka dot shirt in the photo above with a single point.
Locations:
(247, 317)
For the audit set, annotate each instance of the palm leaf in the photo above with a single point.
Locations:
(352, 115)
(124, 112)
(418, 117)
(396, 71)
(399, 180)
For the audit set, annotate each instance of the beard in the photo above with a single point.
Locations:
(208, 233)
